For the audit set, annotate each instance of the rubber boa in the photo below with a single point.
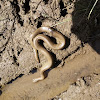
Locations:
(34, 41)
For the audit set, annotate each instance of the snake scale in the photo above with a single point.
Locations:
(34, 41)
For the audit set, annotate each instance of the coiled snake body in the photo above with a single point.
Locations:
(34, 40)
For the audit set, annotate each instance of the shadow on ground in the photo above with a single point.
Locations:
(0, 92)
(87, 30)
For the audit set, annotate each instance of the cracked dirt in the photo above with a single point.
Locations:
(20, 18)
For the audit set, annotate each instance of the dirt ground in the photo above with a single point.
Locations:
(80, 71)
(76, 68)
(85, 88)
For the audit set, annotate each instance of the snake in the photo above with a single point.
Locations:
(34, 41)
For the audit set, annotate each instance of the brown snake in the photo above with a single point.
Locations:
(34, 40)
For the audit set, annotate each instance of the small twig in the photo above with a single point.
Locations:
(92, 9)
(66, 20)
(85, 12)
